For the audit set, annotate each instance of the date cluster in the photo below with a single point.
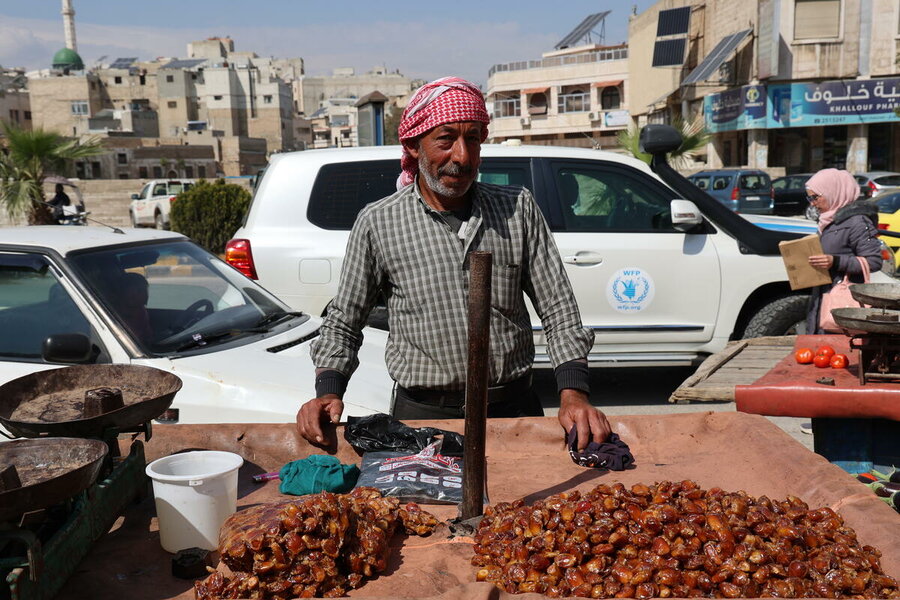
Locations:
(675, 540)
(322, 545)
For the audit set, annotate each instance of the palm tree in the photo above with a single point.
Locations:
(693, 134)
(29, 157)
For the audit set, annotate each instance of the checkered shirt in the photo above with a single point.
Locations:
(404, 247)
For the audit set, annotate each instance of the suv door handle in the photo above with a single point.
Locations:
(583, 258)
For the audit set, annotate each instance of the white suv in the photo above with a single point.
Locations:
(656, 292)
(151, 207)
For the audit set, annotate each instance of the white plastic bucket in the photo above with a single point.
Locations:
(195, 492)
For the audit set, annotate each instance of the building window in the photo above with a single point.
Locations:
(121, 158)
(507, 106)
(610, 99)
(573, 99)
(157, 172)
(123, 175)
(95, 170)
(27, 115)
(201, 171)
(172, 104)
(817, 19)
(267, 99)
(188, 171)
(142, 79)
(217, 97)
(117, 79)
(142, 172)
(13, 115)
(537, 104)
(79, 107)
(170, 78)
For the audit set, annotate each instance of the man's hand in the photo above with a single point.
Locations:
(312, 414)
(574, 408)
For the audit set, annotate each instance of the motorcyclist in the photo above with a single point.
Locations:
(64, 212)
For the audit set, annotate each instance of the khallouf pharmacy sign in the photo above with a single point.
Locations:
(740, 108)
(833, 103)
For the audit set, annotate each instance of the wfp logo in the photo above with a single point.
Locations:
(630, 290)
(752, 94)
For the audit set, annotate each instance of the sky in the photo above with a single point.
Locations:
(422, 40)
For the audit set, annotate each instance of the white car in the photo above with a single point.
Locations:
(242, 354)
(664, 277)
(150, 208)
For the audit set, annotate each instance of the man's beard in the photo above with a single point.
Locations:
(434, 182)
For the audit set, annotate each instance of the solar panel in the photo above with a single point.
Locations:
(674, 21)
(123, 63)
(669, 53)
(582, 29)
(714, 59)
(184, 63)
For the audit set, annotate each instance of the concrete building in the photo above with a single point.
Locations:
(15, 103)
(569, 97)
(793, 85)
(65, 102)
(310, 93)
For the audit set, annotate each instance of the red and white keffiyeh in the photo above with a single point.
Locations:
(445, 100)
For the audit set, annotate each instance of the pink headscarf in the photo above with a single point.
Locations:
(445, 100)
(839, 189)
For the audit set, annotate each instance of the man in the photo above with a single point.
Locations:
(413, 247)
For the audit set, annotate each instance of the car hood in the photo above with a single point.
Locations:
(265, 382)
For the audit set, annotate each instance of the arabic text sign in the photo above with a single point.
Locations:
(833, 103)
(741, 108)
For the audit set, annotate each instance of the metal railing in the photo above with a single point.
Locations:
(558, 61)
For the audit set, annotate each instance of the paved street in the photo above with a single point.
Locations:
(645, 391)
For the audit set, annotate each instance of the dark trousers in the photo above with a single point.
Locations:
(515, 399)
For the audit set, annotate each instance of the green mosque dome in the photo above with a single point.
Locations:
(67, 59)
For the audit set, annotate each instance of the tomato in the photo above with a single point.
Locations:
(804, 356)
(822, 361)
(839, 361)
(825, 350)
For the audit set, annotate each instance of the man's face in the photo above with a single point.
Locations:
(449, 156)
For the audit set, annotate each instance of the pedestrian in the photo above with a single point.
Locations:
(847, 228)
(412, 247)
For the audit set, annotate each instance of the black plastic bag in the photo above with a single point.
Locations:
(381, 432)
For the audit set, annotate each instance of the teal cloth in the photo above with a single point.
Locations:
(317, 473)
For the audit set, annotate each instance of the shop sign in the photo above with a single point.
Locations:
(740, 108)
(616, 118)
(833, 103)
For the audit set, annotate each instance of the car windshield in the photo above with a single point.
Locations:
(174, 296)
(888, 204)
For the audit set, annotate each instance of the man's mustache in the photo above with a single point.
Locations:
(455, 170)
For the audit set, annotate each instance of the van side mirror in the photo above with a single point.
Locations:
(67, 348)
(685, 215)
(659, 139)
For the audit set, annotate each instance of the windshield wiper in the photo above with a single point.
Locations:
(199, 340)
(263, 324)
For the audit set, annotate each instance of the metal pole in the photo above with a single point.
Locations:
(480, 264)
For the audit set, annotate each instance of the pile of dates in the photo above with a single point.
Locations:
(322, 545)
(675, 540)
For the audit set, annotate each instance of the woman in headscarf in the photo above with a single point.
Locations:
(847, 229)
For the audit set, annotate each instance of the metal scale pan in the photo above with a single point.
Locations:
(51, 470)
(51, 402)
(869, 320)
(877, 295)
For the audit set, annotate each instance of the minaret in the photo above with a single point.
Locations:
(68, 14)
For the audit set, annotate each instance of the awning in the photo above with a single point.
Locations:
(540, 90)
(726, 46)
(662, 99)
(606, 84)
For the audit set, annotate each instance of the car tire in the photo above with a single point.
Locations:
(158, 221)
(782, 316)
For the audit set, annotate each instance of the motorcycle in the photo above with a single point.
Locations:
(70, 209)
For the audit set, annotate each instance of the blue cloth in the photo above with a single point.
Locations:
(317, 473)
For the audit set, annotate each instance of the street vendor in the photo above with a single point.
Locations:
(412, 247)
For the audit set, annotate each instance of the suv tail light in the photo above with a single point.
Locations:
(735, 194)
(882, 226)
(873, 187)
(239, 256)
(172, 199)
